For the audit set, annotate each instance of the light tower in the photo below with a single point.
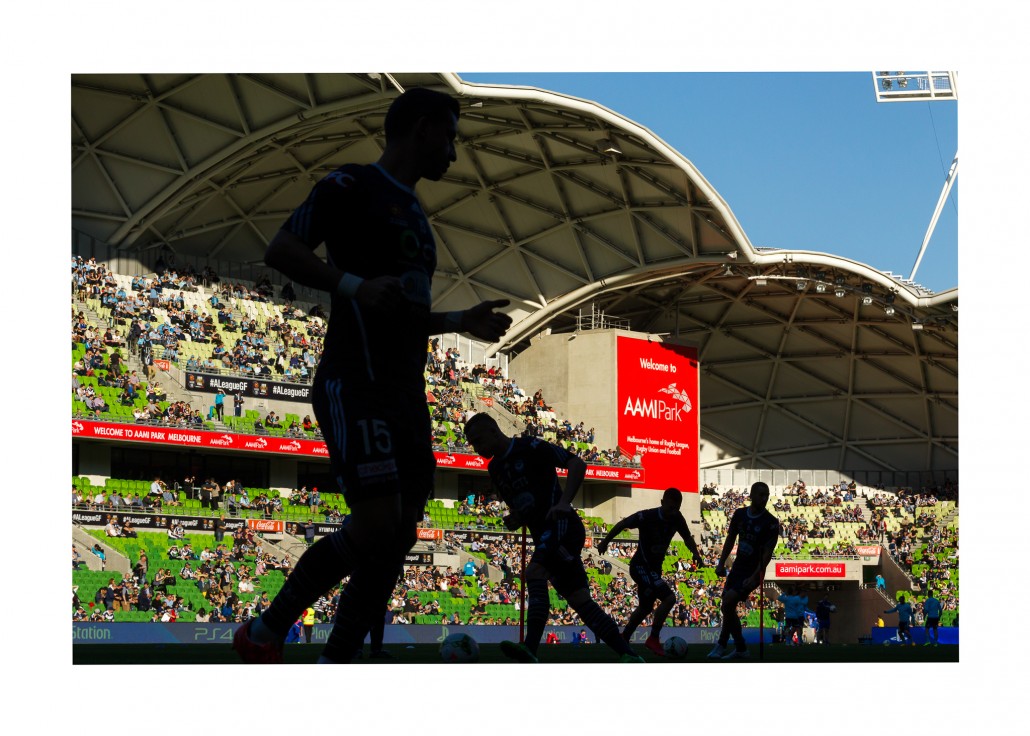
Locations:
(911, 87)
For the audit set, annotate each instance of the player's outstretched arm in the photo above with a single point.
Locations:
(479, 321)
(688, 538)
(602, 546)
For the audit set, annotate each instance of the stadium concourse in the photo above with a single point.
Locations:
(832, 381)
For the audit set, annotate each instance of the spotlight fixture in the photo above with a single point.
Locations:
(916, 325)
(867, 288)
(839, 281)
(801, 285)
(605, 145)
(867, 300)
(761, 281)
(821, 288)
(889, 298)
(888, 310)
(839, 292)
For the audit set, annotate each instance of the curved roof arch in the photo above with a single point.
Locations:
(560, 205)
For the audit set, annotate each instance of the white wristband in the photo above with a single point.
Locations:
(348, 285)
(452, 321)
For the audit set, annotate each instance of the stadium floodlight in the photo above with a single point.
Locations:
(867, 300)
(839, 292)
(820, 288)
(888, 310)
(801, 284)
(605, 145)
(917, 325)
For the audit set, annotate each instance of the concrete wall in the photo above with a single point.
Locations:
(282, 473)
(95, 461)
(579, 377)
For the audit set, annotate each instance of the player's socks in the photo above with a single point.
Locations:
(363, 597)
(260, 633)
(733, 629)
(322, 566)
(537, 607)
(604, 627)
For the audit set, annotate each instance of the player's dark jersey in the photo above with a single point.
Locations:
(754, 534)
(372, 226)
(656, 531)
(526, 478)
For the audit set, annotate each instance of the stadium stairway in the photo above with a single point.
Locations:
(288, 546)
(617, 564)
(84, 541)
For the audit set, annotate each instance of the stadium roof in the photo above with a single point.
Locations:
(566, 208)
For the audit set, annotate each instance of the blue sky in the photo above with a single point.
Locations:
(805, 160)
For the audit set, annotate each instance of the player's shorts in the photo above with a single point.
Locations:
(559, 550)
(903, 626)
(650, 584)
(379, 442)
(792, 622)
(932, 623)
(735, 580)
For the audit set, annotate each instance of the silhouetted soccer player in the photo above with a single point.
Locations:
(369, 390)
(755, 531)
(522, 469)
(657, 527)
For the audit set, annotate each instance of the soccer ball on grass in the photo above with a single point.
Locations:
(459, 648)
(675, 647)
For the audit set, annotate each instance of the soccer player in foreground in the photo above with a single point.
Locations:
(522, 469)
(755, 532)
(657, 527)
(369, 390)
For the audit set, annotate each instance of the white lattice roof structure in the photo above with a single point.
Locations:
(560, 205)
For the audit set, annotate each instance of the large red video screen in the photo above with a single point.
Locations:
(659, 410)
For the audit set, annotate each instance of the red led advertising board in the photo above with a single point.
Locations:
(658, 410)
(286, 445)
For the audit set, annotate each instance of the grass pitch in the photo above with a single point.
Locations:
(217, 654)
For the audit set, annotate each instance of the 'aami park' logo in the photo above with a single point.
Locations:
(259, 444)
(77, 427)
(225, 440)
(293, 446)
(476, 462)
(658, 408)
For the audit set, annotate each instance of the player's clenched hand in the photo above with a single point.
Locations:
(602, 547)
(720, 570)
(558, 509)
(383, 293)
(482, 322)
(512, 521)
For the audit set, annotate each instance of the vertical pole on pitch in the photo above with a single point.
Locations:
(522, 592)
(761, 616)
